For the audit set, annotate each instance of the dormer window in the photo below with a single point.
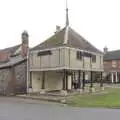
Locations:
(42, 53)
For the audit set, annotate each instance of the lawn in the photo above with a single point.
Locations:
(111, 99)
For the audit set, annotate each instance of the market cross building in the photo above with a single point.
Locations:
(62, 60)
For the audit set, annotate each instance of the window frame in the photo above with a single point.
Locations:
(93, 57)
(79, 55)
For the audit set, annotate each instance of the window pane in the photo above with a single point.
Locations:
(93, 58)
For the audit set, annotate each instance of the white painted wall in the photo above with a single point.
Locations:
(48, 61)
(87, 62)
(53, 81)
(74, 62)
(54, 58)
(87, 75)
(36, 61)
(36, 81)
(99, 62)
(65, 57)
(45, 61)
(69, 83)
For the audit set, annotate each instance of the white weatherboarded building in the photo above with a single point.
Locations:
(62, 60)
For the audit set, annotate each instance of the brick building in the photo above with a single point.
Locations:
(112, 66)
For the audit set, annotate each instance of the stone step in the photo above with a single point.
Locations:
(44, 98)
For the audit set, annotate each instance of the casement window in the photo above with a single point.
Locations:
(42, 53)
(114, 64)
(79, 55)
(93, 58)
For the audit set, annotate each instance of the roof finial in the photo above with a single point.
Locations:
(67, 25)
(67, 18)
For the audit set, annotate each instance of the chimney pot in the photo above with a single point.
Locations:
(25, 42)
(57, 28)
(105, 49)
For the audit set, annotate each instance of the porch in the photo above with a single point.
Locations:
(112, 77)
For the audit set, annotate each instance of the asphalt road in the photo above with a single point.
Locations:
(15, 109)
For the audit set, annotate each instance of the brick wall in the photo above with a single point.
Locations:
(113, 65)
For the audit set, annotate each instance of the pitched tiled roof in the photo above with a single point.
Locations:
(74, 40)
(8, 57)
(55, 41)
(8, 52)
(4, 56)
(13, 61)
(11, 49)
(112, 55)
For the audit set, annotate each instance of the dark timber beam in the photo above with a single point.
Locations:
(43, 80)
(79, 82)
(30, 82)
(72, 80)
(83, 81)
(74, 76)
(101, 81)
(64, 77)
(91, 81)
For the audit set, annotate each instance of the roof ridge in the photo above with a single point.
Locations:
(113, 50)
(11, 47)
(112, 55)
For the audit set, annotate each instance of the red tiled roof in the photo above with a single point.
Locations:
(4, 56)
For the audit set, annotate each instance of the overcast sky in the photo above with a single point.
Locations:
(96, 20)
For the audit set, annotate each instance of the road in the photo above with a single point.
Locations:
(16, 109)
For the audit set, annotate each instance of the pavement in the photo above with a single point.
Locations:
(54, 98)
(57, 99)
(112, 85)
(20, 109)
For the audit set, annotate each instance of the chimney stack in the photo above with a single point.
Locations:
(57, 29)
(25, 42)
(105, 49)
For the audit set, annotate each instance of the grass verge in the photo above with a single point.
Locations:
(111, 99)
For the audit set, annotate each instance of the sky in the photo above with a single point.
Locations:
(98, 21)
